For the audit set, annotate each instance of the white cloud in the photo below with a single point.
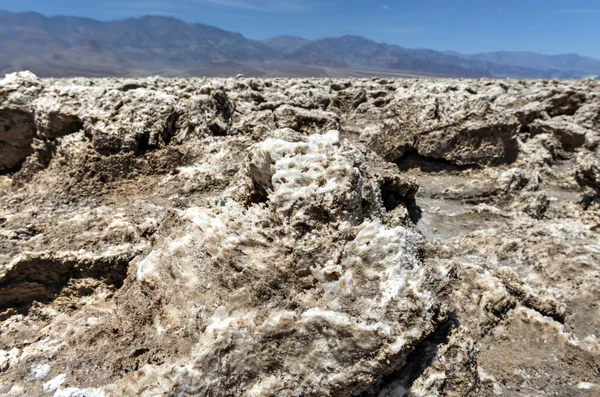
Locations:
(254, 5)
(149, 5)
(403, 29)
(155, 7)
(578, 11)
(260, 5)
(385, 7)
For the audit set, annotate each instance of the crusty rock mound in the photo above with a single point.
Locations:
(309, 292)
(286, 237)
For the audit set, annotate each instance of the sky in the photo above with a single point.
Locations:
(546, 26)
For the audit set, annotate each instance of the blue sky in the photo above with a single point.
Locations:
(547, 26)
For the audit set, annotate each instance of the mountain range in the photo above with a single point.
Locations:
(63, 46)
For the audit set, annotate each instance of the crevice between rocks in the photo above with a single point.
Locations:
(392, 197)
(413, 159)
(416, 362)
(145, 143)
(42, 277)
(17, 131)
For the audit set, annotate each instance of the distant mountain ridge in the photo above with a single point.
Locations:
(72, 46)
(527, 59)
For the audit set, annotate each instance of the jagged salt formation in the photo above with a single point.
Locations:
(211, 237)
(309, 292)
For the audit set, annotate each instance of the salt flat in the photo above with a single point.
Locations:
(335, 237)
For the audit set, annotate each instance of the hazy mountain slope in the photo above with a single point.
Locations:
(73, 46)
(562, 62)
(27, 35)
(358, 52)
(179, 42)
(491, 68)
(285, 44)
(350, 50)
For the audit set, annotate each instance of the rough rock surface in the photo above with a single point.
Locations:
(287, 237)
